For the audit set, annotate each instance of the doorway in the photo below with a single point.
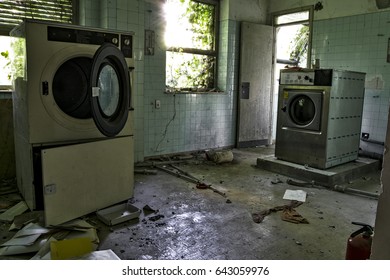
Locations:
(292, 48)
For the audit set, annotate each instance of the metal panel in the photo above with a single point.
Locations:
(79, 179)
(254, 107)
(302, 145)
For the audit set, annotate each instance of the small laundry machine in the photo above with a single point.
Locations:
(73, 118)
(319, 116)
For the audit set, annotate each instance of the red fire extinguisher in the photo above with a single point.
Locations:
(359, 243)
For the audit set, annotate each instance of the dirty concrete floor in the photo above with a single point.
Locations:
(201, 224)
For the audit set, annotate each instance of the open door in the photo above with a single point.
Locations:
(110, 85)
(254, 104)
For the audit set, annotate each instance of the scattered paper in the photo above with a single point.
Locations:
(15, 210)
(100, 255)
(31, 229)
(29, 217)
(44, 252)
(34, 238)
(79, 225)
(15, 250)
(297, 195)
(26, 236)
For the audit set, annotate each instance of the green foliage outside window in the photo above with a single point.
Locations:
(299, 46)
(192, 67)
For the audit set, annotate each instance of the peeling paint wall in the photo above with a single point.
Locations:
(332, 8)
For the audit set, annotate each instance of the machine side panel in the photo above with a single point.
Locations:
(345, 117)
(80, 179)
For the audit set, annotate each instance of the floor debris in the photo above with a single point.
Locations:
(220, 156)
(146, 171)
(100, 255)
(156, 217)
(26, 218)
(292, 216)
(176, 171)
(15, 210)
(34, 238)
(355, 191)
(148, 210)
(300, 184)
(298, 195)
(276, 181)
(288, 214)
(118, 214)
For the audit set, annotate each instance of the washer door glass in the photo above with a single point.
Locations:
(109, 93)
(110, 85)
(302, 110)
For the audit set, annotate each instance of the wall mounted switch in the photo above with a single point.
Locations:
(157, 104)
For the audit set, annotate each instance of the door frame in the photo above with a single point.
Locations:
(274, 81)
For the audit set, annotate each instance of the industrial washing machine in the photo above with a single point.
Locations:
(319, 116)
(73, 118)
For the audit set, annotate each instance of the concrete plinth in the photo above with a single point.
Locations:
(330, 177)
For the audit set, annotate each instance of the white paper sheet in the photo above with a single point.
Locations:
(15, 210)
(298, 195)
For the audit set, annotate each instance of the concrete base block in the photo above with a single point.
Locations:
(328, 178)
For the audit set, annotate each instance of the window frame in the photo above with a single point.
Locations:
(309, 9)
(211, 53)
(5, 29)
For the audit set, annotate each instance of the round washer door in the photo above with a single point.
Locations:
(302, 110)
(110, 90)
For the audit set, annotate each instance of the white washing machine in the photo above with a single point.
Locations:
(73, 118)
(319, 117)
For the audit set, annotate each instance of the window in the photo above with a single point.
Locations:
(12, 13)
(190, 36)
(293, 37)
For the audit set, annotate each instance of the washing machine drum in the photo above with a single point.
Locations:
(71, 87)
(302, 110)
(97, 88)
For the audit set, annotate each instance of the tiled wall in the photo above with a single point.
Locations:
(188, 122)
(127, 15)
(360, 43)
(185, 122)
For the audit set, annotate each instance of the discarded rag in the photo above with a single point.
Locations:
(288, 214)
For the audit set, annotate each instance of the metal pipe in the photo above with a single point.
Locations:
(373, 141)
(355, 191)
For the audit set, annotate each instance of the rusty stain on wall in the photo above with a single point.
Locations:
(374, 82)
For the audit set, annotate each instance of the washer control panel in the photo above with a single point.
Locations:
(91, 37)
(288, 77)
